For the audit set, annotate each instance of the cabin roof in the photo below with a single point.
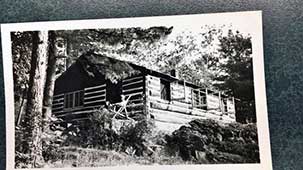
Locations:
(115, 69)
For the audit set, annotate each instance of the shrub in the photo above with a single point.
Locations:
(96, 132)
(103, 132)
(52, 139)
(137, 136)
(207, 141)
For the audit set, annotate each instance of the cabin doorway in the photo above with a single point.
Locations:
(165, 90)
(114, 92)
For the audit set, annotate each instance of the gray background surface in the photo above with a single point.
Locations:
(283, 43)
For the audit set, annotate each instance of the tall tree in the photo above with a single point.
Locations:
(236, 73)
(21, 54)
(110, 39)
(33, 115)
(50, 76)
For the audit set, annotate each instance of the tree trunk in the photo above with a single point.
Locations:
(68, 60)
(50, 77)
(21, 108)
(33, 114)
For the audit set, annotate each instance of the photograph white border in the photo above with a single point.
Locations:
(250, 20)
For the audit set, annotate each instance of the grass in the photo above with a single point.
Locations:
(90, 157)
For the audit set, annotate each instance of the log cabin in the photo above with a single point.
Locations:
(95, 80)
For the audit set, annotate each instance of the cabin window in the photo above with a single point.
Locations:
(74, 99)
(199, 98)
(165, 90)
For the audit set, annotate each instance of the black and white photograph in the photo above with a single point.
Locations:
(182, 91)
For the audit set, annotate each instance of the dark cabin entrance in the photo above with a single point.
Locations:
(165, 90)
(113, 92)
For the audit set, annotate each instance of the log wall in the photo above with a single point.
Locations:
(146, 100)
(185, 105)
(95, 97)
(180, 92)
(134, 86)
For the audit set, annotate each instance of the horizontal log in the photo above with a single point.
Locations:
(56, 108)
(56, 111)
(197, 91)
(135, 111)
(134, 94)
(76, 113)
(83, 108)
(200, 105)
(131, 83)
(136, 100)
(97, 104)
(156, 99)
(169, 107)
(58, 100)
(169, 121)
(94, 92)
(94, 97)
(58, 96)
(153, 83)
(180, 95)
(212, 116)
(95, 101)
(153, 88)
(181, 99)
(133, 86)
(178, 90)
(167, 124)
(134, 105)
(132, 79)
(57, 104)
(173, 115)
(95, 87)
(181, 104)
(133, 89)
(154, 93)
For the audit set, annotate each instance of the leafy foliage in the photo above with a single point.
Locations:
(154, 48)
(104, 40)
(236, 76)
(206, 141)
(51, 141)
(99, 132)
(21, 54)
(137, 136)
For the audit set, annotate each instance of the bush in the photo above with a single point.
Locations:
(101, 131)
(207, 141)
(96, 132)
(52, 139)
(137, 136)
